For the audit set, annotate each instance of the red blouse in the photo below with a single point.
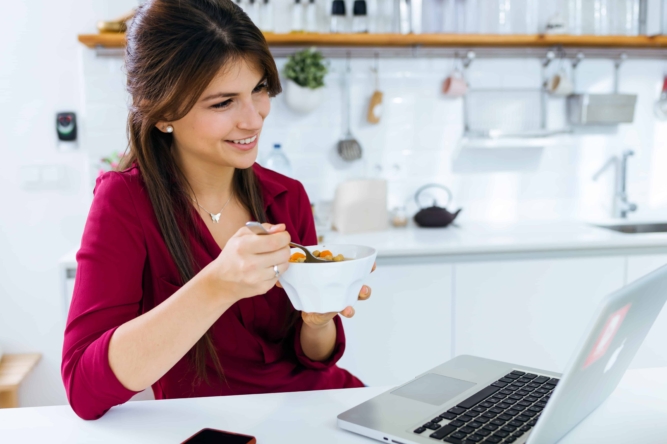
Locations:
(125, 269)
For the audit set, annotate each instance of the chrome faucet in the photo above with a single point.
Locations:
(621, 205)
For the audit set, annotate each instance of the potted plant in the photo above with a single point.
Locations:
(305, 71)
(110, 163)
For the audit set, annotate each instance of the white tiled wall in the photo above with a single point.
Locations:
(417, 139)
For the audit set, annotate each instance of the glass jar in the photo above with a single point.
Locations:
(589, 17)
(337, 16)
(504, 17)
(454, 16)
(625, 17)
(399, 217)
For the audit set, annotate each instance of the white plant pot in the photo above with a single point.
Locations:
(302, 99)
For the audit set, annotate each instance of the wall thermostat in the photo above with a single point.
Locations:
(66, 126)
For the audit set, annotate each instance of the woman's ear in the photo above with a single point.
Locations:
(165, 127)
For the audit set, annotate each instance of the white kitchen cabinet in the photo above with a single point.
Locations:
(653, 352)
(404, 329)
(530, 312)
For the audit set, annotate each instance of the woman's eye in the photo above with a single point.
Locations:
(224, 104)
(261, 87)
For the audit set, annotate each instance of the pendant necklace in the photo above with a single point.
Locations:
(215, 217)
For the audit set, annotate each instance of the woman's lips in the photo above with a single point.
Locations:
(243, 146)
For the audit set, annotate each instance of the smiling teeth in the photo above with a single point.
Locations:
(245, 141)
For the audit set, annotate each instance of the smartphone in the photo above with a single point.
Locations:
(212, 436)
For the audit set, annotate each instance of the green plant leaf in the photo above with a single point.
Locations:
(307, 68)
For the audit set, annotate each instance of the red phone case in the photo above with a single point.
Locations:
(252, 439)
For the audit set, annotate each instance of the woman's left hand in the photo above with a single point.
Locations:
(319, 320)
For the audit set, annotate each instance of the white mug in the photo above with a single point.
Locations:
(560, 84)
(455, 85)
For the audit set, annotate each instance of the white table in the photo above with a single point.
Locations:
(635, 413)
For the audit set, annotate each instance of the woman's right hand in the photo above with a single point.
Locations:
(244, 268)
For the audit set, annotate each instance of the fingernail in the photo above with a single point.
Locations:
(365, 290)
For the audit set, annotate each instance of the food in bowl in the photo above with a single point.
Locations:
(325, 288)
(298, 258)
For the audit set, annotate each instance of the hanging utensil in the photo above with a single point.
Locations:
(348, 147)
(375, 105)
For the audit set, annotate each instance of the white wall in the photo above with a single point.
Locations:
(417, 139)
(39, 76)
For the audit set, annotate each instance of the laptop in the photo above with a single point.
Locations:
(471, 400)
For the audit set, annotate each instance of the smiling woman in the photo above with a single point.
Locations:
(169, 294)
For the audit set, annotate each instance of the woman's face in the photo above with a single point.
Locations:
(224, 125)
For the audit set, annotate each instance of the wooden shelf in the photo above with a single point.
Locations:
(106, 40)
(13, 370)
(111, 40)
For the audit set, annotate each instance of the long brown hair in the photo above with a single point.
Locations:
(174, 49)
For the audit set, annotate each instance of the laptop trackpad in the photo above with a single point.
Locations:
(433, 389)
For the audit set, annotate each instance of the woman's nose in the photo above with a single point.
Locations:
(251, 118)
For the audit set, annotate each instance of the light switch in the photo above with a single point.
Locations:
(42, 177)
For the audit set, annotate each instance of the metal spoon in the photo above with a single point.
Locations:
(349, 148)
(258, 228)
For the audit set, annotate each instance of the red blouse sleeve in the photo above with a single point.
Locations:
(308, 236)
(107, 294)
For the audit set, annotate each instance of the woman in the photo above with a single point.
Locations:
(172, 291)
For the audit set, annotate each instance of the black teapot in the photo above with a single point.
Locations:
(434, 216)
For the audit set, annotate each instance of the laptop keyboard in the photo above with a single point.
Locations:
(499, 413)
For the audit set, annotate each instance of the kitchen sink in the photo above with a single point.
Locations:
(637, 228)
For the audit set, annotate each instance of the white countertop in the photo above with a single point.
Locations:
(635, 413)
(487, 238)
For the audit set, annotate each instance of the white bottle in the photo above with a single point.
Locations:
(472, 16)
(266, 16)
(532, 17)
(338, 19)
(386, 16)
(297, 16)
(278, 161)
(359, 16)
(253, 11)
(403, 16)
(449, 17)
(311, 16)
(416, 16)
(601, 10)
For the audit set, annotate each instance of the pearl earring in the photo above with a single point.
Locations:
(170, 129)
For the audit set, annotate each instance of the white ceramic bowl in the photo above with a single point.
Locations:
(330, 287)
